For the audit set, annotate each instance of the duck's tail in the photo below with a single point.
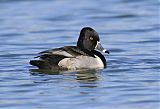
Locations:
(40, 64)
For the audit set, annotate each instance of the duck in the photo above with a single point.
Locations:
(85, 55)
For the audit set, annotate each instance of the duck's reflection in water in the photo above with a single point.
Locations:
(85, 75)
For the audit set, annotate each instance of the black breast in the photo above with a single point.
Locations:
(101, 57)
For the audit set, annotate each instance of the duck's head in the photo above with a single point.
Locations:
(89, 40)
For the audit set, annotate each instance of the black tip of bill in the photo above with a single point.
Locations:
(107, 52)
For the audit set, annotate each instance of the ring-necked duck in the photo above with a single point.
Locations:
(84, 55)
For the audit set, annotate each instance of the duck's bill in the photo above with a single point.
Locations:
(100, 48)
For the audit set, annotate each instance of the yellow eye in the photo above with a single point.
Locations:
(91, 38)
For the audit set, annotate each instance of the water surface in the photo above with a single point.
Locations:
(129, 29)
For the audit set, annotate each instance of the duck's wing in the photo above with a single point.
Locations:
(69, 51)
(56, 51)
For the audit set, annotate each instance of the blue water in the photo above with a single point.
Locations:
(128, 28)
